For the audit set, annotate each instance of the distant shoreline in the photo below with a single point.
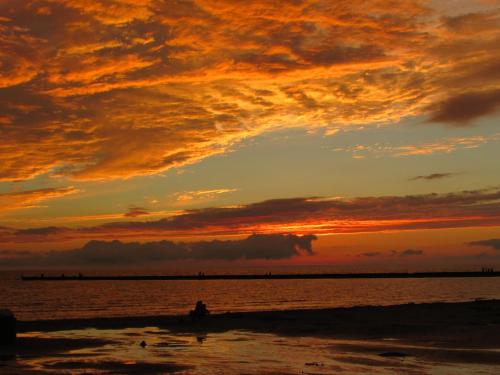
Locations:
(266, 276)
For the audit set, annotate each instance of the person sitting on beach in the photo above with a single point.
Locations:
(199, 311)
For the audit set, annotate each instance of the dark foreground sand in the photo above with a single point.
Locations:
(466, 324)
(412, 339)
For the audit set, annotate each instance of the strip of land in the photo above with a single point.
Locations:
(202, 276)
(473, 324)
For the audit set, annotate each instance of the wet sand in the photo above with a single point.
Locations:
(471, 324)
(412, 338)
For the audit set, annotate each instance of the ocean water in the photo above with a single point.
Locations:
(32, 300)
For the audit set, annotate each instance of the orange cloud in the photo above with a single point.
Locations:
(31, 198)
(18, 55)
(189, 196)
(109, 12)
(446, 145)
(93, 68)
(119, 88)
(106, 217)
(479, 208)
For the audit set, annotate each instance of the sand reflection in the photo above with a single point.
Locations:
(119, 351)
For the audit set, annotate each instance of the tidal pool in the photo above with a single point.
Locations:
(112, 351)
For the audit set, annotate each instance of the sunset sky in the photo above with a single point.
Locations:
(357, 134)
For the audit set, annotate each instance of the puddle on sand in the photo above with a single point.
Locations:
(234, 352)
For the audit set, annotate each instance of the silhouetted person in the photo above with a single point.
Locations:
(143, 344)
(8, 330)
(200, 339)
(200, 310)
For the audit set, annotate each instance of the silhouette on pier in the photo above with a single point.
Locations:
(268, 276)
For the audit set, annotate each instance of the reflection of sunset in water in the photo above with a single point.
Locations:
(74, 299)
(238, 352)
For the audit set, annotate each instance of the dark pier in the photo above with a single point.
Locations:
(267, 276)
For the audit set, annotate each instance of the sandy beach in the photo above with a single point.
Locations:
(426, 336)
(475, 324)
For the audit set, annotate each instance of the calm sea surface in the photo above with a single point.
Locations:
(32, 300)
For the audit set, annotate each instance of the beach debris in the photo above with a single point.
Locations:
(200, 310)
(143, 344)
(8, 330)
(393, 354)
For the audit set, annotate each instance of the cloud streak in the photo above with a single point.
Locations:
(408, 253)
(475, 208)
(433, 176)
(200, 195)
(393, 253)
(493, 243)
(135, 211)
(441, 146)
(32, 198)
(371, 254)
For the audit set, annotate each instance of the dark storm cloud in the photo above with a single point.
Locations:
(494, 243)
(110, 253)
